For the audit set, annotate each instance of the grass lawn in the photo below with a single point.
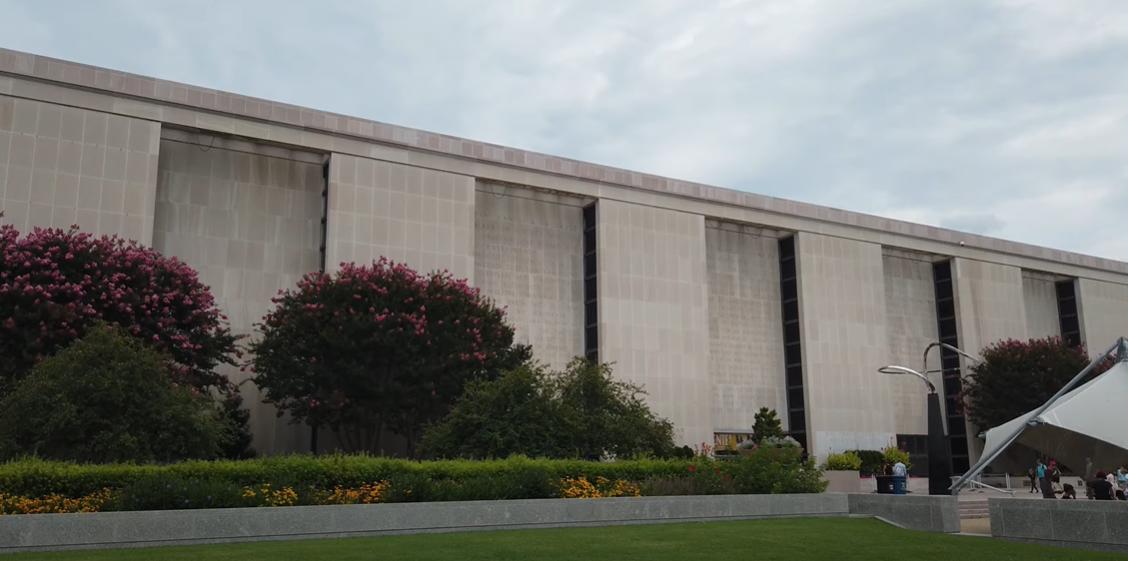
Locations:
(837, 539)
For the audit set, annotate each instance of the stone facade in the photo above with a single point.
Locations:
(248, 221)
(528, 257)
(1104, 313)
(61, 166)
(421, 217)
(688, 280)
(843, 320)
(910, 317)
(1039, 293)
(653, 310)
(745, 325)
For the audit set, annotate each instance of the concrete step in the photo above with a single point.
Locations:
(973, 510)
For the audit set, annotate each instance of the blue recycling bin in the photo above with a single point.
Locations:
(900, 484)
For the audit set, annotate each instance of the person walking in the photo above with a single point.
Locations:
(1044, 481)
(1033, 475)
(1055, 477)
(1102, 489)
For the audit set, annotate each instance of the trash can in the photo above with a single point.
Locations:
(900, 484)
(884, 484)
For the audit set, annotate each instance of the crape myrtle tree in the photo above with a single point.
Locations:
(378, 347)
(56, 284)
(1017, 377)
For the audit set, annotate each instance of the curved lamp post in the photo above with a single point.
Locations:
(894, 369)
(939, 457)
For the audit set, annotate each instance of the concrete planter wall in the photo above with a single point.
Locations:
(930, 513)
(40, 532)
(843, 481)
(1100, 525)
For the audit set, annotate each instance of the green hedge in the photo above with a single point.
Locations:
(516, 477)
(872, 461)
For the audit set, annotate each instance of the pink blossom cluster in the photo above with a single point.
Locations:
(370, 287)
(55, 284)
(385, 316)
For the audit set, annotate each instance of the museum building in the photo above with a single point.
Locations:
(719, 302)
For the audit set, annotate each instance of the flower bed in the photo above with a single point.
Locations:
(34, 486)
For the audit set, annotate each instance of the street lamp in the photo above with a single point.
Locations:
(939, 457)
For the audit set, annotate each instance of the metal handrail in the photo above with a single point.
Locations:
(974, 482)
(996, 489)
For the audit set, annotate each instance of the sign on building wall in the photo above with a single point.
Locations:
(729, 440)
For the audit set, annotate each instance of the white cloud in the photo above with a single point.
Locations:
(1006, 117)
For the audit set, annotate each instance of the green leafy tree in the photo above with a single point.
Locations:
(56, 284)
(582, 412)
(108, 398)
(608, 416)
(1017, 377)
(378, 347)
(766, 424)
(516, 414)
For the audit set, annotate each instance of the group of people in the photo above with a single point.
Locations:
(1104, 486)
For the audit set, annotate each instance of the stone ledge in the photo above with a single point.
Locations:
(47, 532)
(1099, 525)
(940, 514)
(42, 532)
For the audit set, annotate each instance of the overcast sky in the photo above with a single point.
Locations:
(1000, 117)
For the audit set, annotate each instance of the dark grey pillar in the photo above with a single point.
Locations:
(939, 458)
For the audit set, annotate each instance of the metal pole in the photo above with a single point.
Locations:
(939, 454)
(1121, 348)
(939, 458)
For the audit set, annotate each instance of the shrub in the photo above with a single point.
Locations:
(55, 504)
(766, 424)
(779, 442)
(608, 417)
(516, 414)
(1017, 377)
(776, 470)
(893, 454)
(108, 399)
(581, 488)
(56, 285)
(225, 483)
(580, 413)
(872, 461)
(379, 347)
(846, 461)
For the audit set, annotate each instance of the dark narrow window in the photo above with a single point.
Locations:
(1068, 318)
(324, 229)
(591, 296)
(792, 345)
(950, 364)
(917, 447)
(324, 213)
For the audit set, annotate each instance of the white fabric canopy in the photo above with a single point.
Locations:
(1089, 422)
